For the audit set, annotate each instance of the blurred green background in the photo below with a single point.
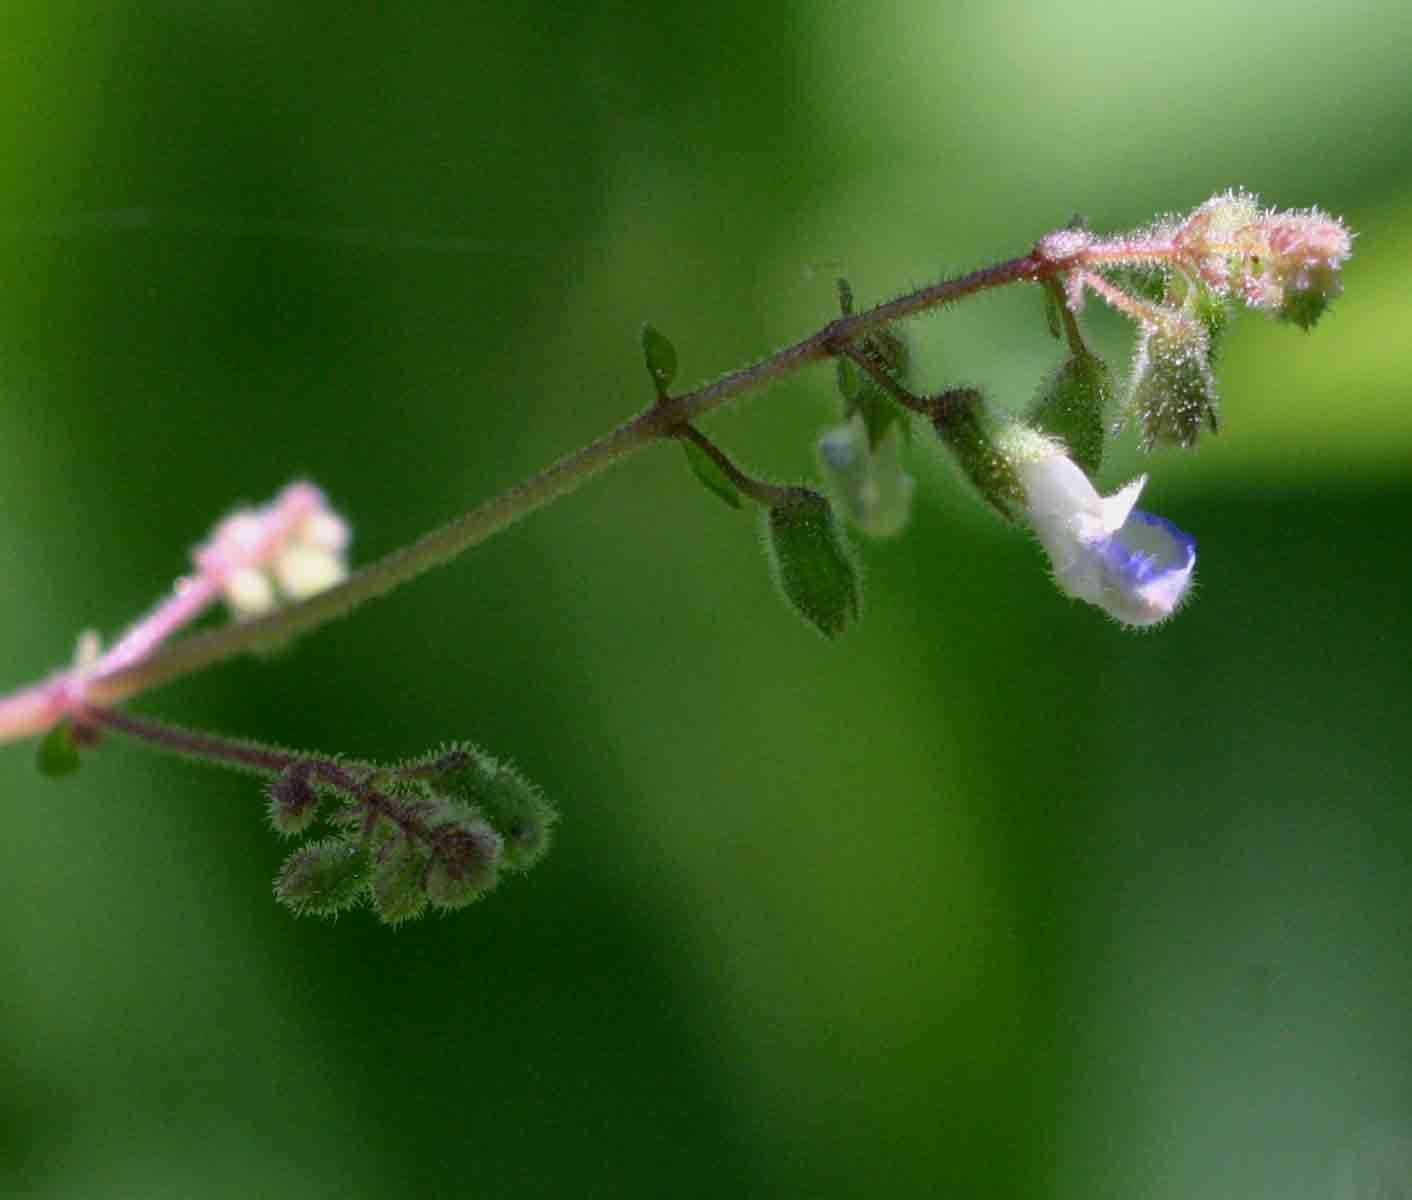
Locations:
(989, 898)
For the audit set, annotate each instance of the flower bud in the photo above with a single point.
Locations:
(1306, 252)
(1209, 241)
(1173, 390)
(466, 853)
(293, 802)
(811, 561)
(868, 482)
(514, 807)
(249, 593)
(1070, 406)
(398, 883)
(303, 570)
(322, 878)
(1286, 263)
(960, 421)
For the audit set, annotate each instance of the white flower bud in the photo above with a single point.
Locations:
(306, 570)
(871, 487)
(249, 593)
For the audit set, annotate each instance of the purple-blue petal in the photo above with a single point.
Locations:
(1147, 548)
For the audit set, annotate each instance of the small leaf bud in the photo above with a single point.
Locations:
(710, 475)
(466, 853)
(1070, 406)
(811, 561)
(322, 878)
(57, 753)
(870, 485)
(1286, 263)
(293, 802)
(661, 358)
(960, 421)
(1173, 391)
(398, 884)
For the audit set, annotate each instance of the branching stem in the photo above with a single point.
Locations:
(663, 419)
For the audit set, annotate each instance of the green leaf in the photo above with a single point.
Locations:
(661, 358)
(848, 385)
(812, 563)
(705, 468)
(57, 754)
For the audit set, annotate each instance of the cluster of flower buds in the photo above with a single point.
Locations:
(1284, 263)
(291, 548)
(436, 832)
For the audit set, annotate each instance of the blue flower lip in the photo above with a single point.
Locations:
(1145, 569)
(1142, 563)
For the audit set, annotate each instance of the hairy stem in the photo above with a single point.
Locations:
(194, 743)
(883, 377)
(766, 494)
(442, 545)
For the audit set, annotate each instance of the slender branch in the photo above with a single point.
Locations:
(352, 779)
(767, 494)
(442, 545)
(1142, 311)
(209, 747)
(885, 380)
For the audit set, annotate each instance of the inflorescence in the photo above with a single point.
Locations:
(439, 831)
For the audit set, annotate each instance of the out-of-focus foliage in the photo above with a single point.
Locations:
(982, 898)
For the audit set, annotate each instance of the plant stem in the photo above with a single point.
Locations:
(884, 379)
(767, 494)
(663, 419)
(209, 747)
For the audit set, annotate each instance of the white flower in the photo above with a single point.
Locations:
(1135, 566)
(869, 483)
